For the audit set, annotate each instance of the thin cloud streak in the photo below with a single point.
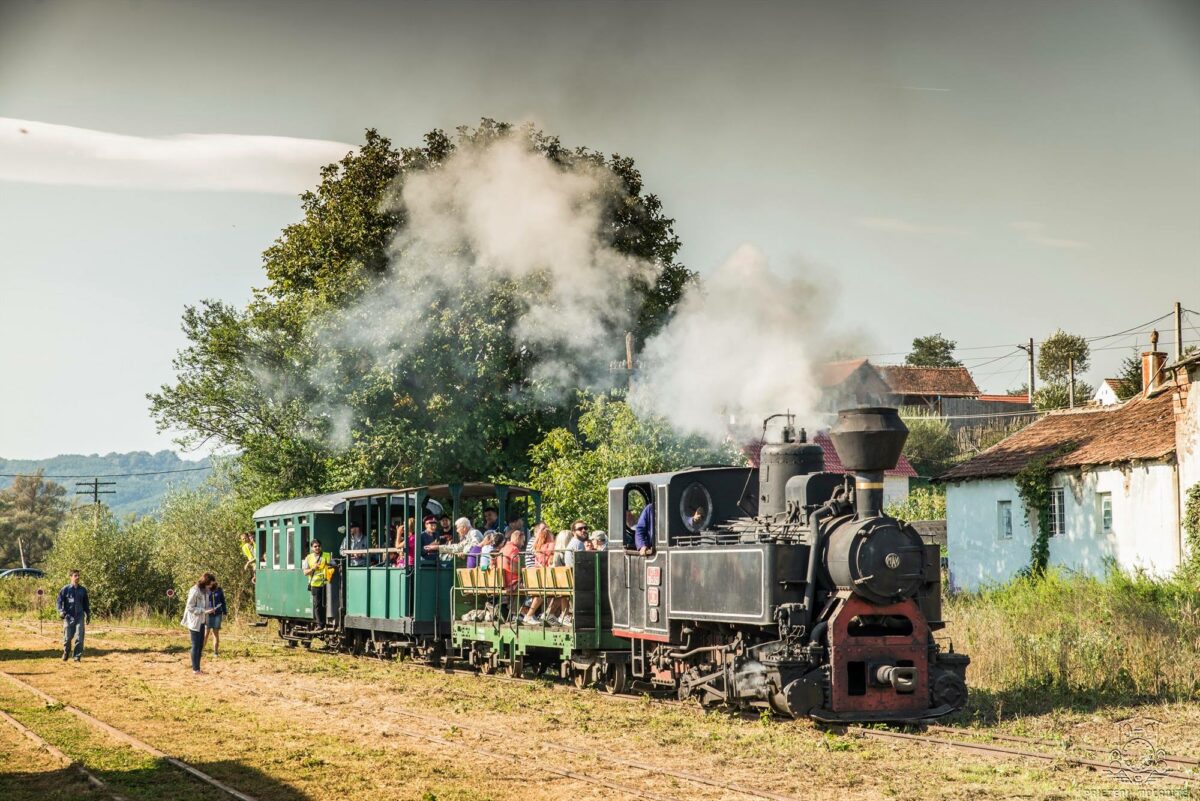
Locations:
(895, 225)
(46, 153)
(1033, 233)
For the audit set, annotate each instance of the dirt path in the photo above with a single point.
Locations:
(283, 724)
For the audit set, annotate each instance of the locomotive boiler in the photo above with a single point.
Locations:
(786, 586)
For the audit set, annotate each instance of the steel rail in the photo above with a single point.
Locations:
(129, 739)
(1061, 744)
(53, 751)
(884, 734)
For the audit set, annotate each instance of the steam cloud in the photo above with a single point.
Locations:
(741, 346)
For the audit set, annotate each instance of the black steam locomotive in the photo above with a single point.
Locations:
(794, 590)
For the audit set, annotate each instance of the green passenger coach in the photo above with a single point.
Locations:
(389, 595)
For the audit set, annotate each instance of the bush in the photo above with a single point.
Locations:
(198, 531)
(1067, 639)
(922, 503)
(117, 561)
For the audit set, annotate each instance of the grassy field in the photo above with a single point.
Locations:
(291, 725)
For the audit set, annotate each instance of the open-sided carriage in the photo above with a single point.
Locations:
(490, 632)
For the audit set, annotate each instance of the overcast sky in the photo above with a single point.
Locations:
(988, 170)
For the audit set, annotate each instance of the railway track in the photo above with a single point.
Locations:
(40, 742)
(130, 740)
(1182, 763)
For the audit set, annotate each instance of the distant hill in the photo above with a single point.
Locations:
(134, 494)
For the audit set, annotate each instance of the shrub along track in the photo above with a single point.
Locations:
(882, 734)
(128, 739)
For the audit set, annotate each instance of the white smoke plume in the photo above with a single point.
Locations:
(744, 344)
(489, 214)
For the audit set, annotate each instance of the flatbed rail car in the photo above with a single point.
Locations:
(490, 632)
(372, 605)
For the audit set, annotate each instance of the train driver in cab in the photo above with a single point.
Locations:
(643, 532)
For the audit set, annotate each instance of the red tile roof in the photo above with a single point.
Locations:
(1005, 399)
(1115, 384)
(945, 382)
(1142, 429)
(832, 463)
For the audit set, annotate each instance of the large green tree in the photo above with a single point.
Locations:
(295, 383)
(31, 510)
(1056, 354)
(934, 350)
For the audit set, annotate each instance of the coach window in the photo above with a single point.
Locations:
(637, 496)
(290, 533)
(262, 546)
(696, 507)
(304, 538)
(276, 533)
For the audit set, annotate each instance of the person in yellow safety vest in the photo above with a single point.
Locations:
(319, 570)
(248, 552)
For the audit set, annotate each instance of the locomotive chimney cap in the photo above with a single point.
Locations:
(869, 439)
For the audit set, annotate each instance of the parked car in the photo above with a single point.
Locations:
(22, 572)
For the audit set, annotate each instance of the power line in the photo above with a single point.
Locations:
(93, 489)
(110, 475)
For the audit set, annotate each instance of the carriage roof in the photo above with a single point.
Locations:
(334, 502)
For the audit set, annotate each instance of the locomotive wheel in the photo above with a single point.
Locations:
(307, 644)
(290, 643)
(614, 680)
(515, 667)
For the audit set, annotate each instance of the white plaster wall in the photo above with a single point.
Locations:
(977, 555)
(1144, 534)
(895, 490)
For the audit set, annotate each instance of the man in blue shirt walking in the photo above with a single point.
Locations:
(74, 609)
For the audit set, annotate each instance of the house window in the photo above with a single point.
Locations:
(1058, 520)
(1105, 499)
(1004, 519)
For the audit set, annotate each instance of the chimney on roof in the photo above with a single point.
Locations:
(1154, 362)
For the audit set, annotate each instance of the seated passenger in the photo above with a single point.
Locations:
(579, 532)
(511, 561)
(355, 541)
(597, 541)
(447, 525)
(485, 550)
(542, 548)
(490, 518)
(466, 538)
(560, 547)
(429, 537)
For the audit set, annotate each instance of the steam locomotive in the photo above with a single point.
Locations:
(783, 586)
(804, 595)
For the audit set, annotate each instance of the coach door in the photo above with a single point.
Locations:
(636, 582)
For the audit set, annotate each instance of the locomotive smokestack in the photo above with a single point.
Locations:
(869, 441)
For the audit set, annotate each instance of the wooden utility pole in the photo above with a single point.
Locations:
(95, 484)
(628, 365)
(1178, 330)
(1029, 349)
(1071, 384)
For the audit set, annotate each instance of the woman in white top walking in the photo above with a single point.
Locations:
(195, 616)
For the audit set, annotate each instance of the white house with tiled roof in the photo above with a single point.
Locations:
(1117, 487)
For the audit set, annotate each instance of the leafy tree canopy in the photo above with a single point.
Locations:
(31, 510)
(1129, 377)
(930, 446)
(1049, 397)
(569, 468)
(1059, 349)
(293, 381)
(934, 350)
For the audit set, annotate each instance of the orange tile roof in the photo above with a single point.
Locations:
(1141, 429)
(1005, 399)
(946, 382)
